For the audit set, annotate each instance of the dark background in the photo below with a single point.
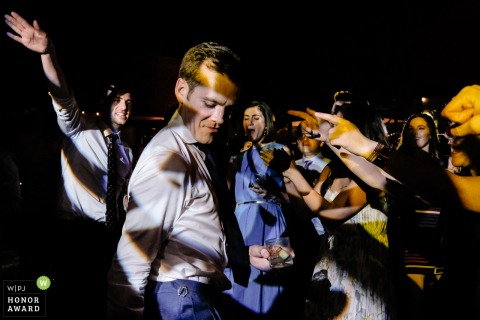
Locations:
(295, 55)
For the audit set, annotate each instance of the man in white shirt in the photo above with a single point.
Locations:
(172, 253)
(83, 245)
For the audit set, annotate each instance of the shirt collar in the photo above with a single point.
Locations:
(106, 130)
(177, 125)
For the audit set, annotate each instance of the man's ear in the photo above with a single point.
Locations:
(181, 90)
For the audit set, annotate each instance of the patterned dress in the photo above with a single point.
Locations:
(353, 270)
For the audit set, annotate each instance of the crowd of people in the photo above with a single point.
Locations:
(179, 230)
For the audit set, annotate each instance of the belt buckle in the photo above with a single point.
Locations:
(182, 291)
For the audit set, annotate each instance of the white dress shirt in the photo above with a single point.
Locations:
(172, 229)
(84, 161)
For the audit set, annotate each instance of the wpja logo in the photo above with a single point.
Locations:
(25, 298)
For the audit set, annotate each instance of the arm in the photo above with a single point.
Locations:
(421, 177)
(368, 172)
(303, 188)
(345, 205)
(468, 189)
(151, 211)
(280, 160)
(37, 40)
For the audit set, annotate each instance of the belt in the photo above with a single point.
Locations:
(257, 202)
(184, 287)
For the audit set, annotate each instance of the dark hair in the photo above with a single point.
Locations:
(434, 143)
(343, 95)
(222, 59)
(113, 91)
(270, 130)
(366, 118)
(349, 97)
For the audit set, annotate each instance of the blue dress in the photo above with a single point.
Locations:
(259, 219)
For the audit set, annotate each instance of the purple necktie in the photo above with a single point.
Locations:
(307, 164)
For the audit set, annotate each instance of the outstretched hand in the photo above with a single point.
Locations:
(313, 127)
(32, 37)
(344, 133)
(277, 159)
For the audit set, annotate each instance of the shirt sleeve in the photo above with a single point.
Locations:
(156, 195)
(68, 114)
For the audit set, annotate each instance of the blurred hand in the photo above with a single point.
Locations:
(264, 188)
(277, 159)
(464, 109)
(313, 127)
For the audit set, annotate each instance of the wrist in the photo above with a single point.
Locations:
(367, 149)
(374, 154)
(380, 155)
(48, 49)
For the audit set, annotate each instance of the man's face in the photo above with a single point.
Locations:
(120, 110)
(308, 147)
(203, 109)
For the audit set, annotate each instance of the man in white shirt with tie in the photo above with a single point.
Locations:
(84, 246)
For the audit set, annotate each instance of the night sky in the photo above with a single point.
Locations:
(295, 56)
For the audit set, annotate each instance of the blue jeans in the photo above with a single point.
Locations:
(181, 299)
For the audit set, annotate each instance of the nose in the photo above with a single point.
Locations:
(122, 104)
(218, 114)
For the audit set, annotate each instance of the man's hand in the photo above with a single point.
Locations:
(32, 37)
(259, 257)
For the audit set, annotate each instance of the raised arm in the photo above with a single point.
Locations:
(37, 40)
